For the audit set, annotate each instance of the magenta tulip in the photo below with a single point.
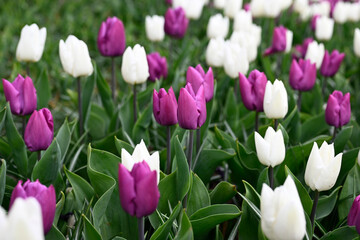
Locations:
(157, 66)
(331, 63)
(139, 193)
(354, 214)
(111, 38)
(252, 90)
(165, 107)
(176, 22)
(300, 50)
(21, 94)
(338, 109)
(302, 75)
(278, 41)
(197, 77)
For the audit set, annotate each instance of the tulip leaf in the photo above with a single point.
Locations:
(198, 196)
(168, 194)
(185, 231)
(342, 138)
(182, 173)
(140, 128)
(97, 123)
(348, 160)
(126, 115)
(90, 232)
(205, 219)
(2, 179)
(248, 158)
(343, 233)
(326, 204)
(222, 193)
(104, 92)
(59, 207)
(63, 138)
(120, 144)
(54, 234)
(313, 127)
(43, 91)
(2, 118)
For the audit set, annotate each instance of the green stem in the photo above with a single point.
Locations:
(168, 161)
(134, 104)
(271, 177)
(198, 140)
(81, 130)
(323, 89)
(28, 69)
(23, 126)
(190, 149)
(299, 101)
(113, 80)
(39, 155)
(276, 123)
(334, 134)
(256, 121)
(313, 210)
(141, 228)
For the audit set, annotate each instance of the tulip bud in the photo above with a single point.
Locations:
(313, 22)
(242, 21)
(300, 5)
(39, 131)
(302, 75)
(197, 77)
(315, 53)
(281, 42)
(246, 41)
(282, 214)
(353, 12)
(176, 22)
(257, 8)
(154, 26)
(157, 66)
(111, 38)
(139, 194)
(75, 58)
(322, 168)
(232, 7)
(44, 195)
(331, 63)
(215, 52)
(193, 9)
(165, 107)
(270, 149)
(219, 4)
(354, 214)
(31, 44)
(235, 60)
(340, 12)
(252, 90)
(255, 31)
(275, 100)
(140, 154)
(272, 8)
(301, 49)
(191, 107)
(338, 109)
(21, 94)
(320, 8)
(357, 42)
(218, 26)
(135, 68)
(324, 28)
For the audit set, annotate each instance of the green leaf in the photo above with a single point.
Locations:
(185, 229)
(2, 179)
(104, 92)
(248, 158)
(120, 144)
(222, 193)
(198, 195)
(63, 137)
(89, 230)
(2, 118)
(343, 233)
(54, 234)
(342, 138)
(43, 91)
(326, 204)
(313, 127)
(182, 172)
(142, 124)
(59, 207)
(168, 193)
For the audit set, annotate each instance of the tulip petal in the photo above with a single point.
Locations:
(126, 190)
(187, 110)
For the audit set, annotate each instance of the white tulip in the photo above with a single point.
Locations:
(215, 52)
(31, 44)
(323, 167)
(272, 8)
(154, 26)
(299, 5)
(354, 12)
(247, 41)
(235, 60)
(242, 21)
(340, 12)
(135, 68)
(219, 4)
(315, 53)
(256, 32)
(75, 58)
(218, 26)
(357, 42)
(232, 7)
(192, 8)
(324, 28)
(275, 100)
(358, 158)
(282, 214)
(321, 8)
(140, 154)
(285, 4)
(257, 8)
(270, 149)
(289, 39)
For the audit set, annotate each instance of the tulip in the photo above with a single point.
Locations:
(157, 66)
(302, 75)
(301, 49)
(191, 107)
(193, 9)
(242, 21)
(255, 31)
(338, 109)
(232, 7)
(215, 52)
(340, 12)
(140, 154)
(39, 131)
(176, 22)
(111, 38)
(281, 42)
(197, 77)
(302, 7)
(44, 195)
(275, 100)
(154, 26)
(357, 42)
(21, 94)
(257, 8)
(252, 90)
(324, 28)
(353, 12)
(165, 107)
(139, 194)
(331, 63)
(320, 8)
(313, 22)
(31, 44)
(135, 68)
(282, 214)
(354, 214)
(315, 53)
(246, 41)
(272, 8)
(218, 26)
(219, 4)
(235, 60)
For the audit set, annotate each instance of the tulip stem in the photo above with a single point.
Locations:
(28, 69)
(313, 210)
(198, 140)
(324, 87)
(271, 177)
(256, 121)
(39, 155)
(81, 130)
(113, 80)
(141, 228)
(134, 104)
(168, 163)
(276, 123)
(190, 150)
(23, 126)
(334, 135)
(299, 101)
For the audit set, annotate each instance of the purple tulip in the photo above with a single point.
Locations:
(338, 109)
(165, 107)
(331, 63)
(157, 66)
(191, 107)
(300, 50)
(313, 21)
(44, 195)
(169, 2)
(252, 90)
(302, 75)
(354, 214)
(21, 94)
(111, 38)
(197, 77)
(39, 131)
(176, 22)
(278, 41)
(139, 193)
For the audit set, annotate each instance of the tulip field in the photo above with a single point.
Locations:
(180, 119)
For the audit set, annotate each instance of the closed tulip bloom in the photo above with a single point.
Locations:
(232, 7)
(357, 42)
(21, 94)
(301, 49)
(315, 53)
(242, 21)
(282, 214)
(255, 31)
(340, 13)
(302, 75)
(320, 8)
(215, 52)
(324, 28)
(323, 167)
(176, 22)
(218, 26)
(281, 42)
(270, 149)
(157, 66)
(193, 9)
(246, 41)
(191, 107)
(354, 214)
(165, 107)
(111, 38)
(39, 131)
(275, 100)
(331, 63)
(300, 5)
(154, 26)
(135, 68)
(338, 109)
(257, 8)
(313, 22)
(252, 90)
(75, 58)
(139, 194)
(354, 12)
(197, 77)
(140, 154)
(272, 8)
(31, 44)
(235, 60)
(44, 195)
